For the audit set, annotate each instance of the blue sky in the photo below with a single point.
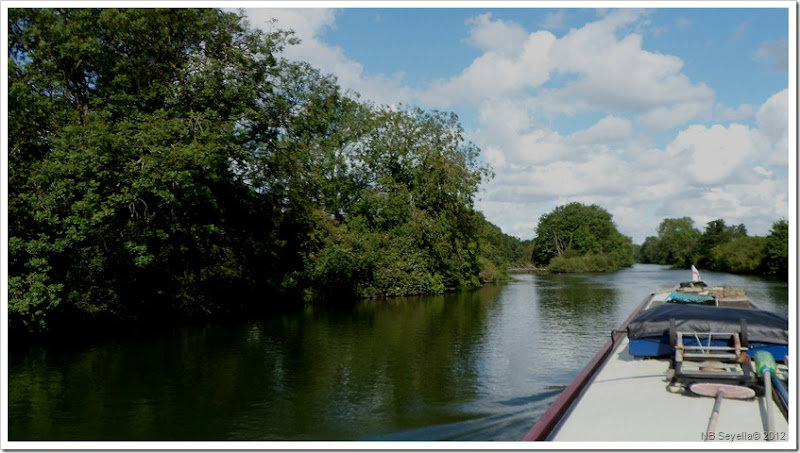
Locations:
(648, 112)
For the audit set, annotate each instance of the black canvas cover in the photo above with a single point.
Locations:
(762, 326)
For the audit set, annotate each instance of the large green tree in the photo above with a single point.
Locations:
(576, 230)
(410, 226)
(170, 163)
(677, 241)
(125, 126)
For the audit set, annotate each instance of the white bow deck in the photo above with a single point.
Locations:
(628, 400)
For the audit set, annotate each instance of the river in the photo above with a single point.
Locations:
(477, 365)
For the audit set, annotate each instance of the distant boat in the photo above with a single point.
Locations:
(644, 383)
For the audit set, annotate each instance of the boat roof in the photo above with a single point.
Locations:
(628, 400)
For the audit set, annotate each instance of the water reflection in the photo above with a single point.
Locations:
(578, 312)
(321, 374)
(380, 365)
(575, 298)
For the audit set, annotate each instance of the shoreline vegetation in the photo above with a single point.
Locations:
(170, 165)
(719, 247)
(528, 270)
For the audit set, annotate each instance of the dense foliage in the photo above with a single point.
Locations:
(170, 164)
(580, 238)
(719, 247)
(776, 250)
(500, 252)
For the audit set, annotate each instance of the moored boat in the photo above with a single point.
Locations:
(651, 380)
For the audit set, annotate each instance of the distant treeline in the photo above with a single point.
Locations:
(169, 164)
(580, 238)
(719, 247)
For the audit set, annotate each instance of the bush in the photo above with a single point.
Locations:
(490, 272)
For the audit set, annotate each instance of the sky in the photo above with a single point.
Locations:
(648, 112)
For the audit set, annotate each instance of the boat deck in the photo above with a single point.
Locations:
(628, 400)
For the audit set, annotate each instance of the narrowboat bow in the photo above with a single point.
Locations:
(656, 372)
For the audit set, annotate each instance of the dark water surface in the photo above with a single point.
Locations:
(480, 365)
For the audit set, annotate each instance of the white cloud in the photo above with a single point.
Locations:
(725, 113)
(494, 156)
(618, 74)
(762, 171)
(716, 155)
(307, 23)
(310, 25)
(773, 121)
(670, 116)
(506, 124)
(610, 129)
(518, 219)
(774, 54)
(741, 31)
(502, 70)
(505, 38)
(757, 204)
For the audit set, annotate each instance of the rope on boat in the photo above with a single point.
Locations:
(613, 333)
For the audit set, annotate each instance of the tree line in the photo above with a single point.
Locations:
(170, 163)
(719, 247)
(580, 238)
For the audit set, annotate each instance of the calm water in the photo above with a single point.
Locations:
(481, 365)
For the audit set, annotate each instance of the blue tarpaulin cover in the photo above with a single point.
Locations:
(685, 298)
(762, 326)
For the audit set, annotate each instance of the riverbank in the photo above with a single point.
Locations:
(527, 270)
